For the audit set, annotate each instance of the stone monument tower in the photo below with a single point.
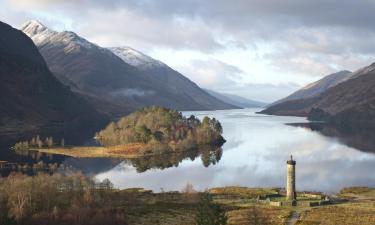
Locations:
(291, 180)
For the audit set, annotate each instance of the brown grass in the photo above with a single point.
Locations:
(348, 214)
(243, 191)
(264, 215)
(132, 150)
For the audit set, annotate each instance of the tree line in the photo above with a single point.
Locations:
(38, 142)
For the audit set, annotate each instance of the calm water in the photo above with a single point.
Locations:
(254, 155)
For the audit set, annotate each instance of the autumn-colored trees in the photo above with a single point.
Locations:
(158, 125)
(23, 196)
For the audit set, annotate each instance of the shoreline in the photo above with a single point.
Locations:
(127, 151)
(133, 150)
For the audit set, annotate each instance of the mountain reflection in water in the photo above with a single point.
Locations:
(358, 137)
(328, 158)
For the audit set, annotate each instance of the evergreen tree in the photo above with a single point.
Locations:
(209, 213)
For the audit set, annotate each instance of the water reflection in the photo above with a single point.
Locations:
(254, 155)
(208, 156)
(359, 137)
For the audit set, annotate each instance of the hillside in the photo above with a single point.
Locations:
(110, 84)
(317, 87)
(236, 100)
(31, 97)
(352, 101)
(160, 74)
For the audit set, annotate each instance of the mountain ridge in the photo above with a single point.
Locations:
(351, 101)
(315, 88)
(104, 78)
(31, 96)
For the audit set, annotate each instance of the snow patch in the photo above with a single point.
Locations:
(136, 58)
(40, 34)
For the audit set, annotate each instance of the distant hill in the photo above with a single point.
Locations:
(114, 85)
(317, 87)
(31, 97)
(236, 100)
(351, 101)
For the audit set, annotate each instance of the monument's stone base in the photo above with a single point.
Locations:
(300, 203)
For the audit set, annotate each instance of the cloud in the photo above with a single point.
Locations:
(219, 76)
(131, 92)
(212, 73)
(305, 39)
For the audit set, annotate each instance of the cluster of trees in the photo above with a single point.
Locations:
(37, 142)
(56, 199)
(158, 125)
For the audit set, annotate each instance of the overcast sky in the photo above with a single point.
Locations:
(261, 49)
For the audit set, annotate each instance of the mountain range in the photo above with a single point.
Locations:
(116, 81)
(31, 96)
(350, 101)
(236, 100)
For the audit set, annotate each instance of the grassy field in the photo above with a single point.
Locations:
(173, 208)
(358, 209)
(242, 208)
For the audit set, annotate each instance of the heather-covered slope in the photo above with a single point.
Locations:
(31, 96)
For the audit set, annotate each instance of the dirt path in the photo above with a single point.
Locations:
(293, 218)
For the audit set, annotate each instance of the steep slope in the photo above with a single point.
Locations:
(111, 85)
(31, 97)
(162, 75)
(236, 100)
(350, 101)
(318, 87)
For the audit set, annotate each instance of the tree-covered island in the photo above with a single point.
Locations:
(148, 131)
(159, 127)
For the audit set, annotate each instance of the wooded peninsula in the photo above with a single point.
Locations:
(149, 131)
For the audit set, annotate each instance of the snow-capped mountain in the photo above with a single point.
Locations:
(116, 84)
(31, 96)
(161, 74)
(42, 35)
(136, 58)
